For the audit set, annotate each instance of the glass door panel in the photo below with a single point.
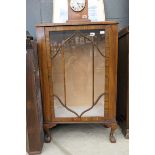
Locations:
(78, 72)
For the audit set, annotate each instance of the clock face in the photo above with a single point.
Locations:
(77, 5)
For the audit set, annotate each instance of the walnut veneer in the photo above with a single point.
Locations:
(78, 68)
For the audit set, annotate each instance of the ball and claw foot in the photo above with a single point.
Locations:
(47, 136)
(113, 128)
(112, 139)
(47, 139)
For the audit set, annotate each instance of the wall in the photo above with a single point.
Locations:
(39, 11)
(117, 10)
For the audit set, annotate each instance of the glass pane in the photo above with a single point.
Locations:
(78, 73)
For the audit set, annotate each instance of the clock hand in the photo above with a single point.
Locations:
(79, 4)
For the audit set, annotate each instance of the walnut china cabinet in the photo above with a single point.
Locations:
(78, 67)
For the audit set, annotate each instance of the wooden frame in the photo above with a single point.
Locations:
(43, 40)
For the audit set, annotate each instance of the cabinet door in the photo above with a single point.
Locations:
(82, 65)
(79, 73)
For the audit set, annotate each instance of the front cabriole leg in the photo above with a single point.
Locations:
(47, 135)
(113, 127)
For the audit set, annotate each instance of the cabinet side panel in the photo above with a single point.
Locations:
(113, 42)
(43, 73)
(49, 66)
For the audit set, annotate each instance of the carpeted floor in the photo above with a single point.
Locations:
(85, 139)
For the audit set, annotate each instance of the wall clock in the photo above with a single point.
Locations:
(78, 11)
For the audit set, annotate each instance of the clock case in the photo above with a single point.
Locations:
(78, 16)
(44, 36)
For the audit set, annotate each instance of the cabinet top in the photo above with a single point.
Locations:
(77, 23)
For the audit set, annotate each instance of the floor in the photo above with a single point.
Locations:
(85, 139)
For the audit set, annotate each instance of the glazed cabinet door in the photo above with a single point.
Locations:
(78, 68)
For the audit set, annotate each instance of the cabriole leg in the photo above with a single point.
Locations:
(47, 135)
(113, 127)
(111, 137)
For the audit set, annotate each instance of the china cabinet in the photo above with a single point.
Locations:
(78, 69)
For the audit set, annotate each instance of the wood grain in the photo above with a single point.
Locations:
(34, 122)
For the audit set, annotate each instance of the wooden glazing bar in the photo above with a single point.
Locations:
(63, 67)
(93, 71)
